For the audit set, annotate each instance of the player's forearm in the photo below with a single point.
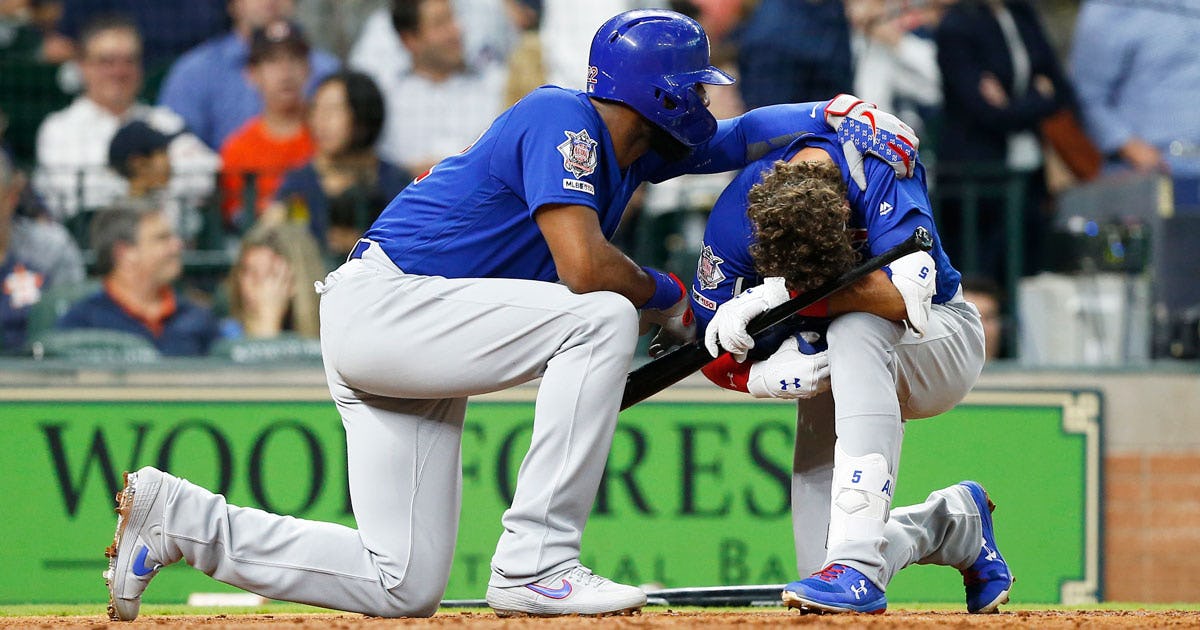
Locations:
(874, 294)
(608, 269)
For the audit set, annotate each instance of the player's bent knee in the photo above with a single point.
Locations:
(854, 333)
(612, 313)
(405, 601)
(919, 407)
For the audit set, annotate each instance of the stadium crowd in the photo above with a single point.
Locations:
(204, 161)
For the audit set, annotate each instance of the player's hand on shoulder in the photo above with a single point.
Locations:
(863, 129)
(676, 323)
(798, 369)
(727, 330)
(915, 277)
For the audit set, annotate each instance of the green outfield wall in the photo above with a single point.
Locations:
(695, 494)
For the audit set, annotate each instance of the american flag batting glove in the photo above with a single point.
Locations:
(862, 129)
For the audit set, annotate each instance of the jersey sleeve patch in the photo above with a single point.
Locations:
(579, 185)
(708, 269)
(579, 153)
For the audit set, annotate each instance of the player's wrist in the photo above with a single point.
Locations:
(668, 290)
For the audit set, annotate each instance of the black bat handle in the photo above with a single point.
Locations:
(675, 365)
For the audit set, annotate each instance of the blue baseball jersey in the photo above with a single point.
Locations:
(471, 215)
(880, 218)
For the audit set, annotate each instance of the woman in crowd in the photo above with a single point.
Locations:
(346, 118)
(270, 286)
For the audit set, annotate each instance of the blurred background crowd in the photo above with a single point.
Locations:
(177, 173)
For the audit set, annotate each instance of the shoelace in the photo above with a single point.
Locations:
(584, 575)
(830, 573)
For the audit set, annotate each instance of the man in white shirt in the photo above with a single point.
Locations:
(440, 105)
(488, 34)
(72, 144)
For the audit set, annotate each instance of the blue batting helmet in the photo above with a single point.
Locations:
(651, 60)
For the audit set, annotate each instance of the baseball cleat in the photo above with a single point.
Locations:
(988, 580)
(136, 554)
(574, 591)
(837, 588)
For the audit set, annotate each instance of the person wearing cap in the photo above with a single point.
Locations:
(492, 269)
(73, 143)
(138, 152)
(208, 85)
(276, 141)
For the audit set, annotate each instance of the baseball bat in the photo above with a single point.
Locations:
(675, 365)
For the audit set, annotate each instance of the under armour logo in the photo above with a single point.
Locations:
(991, 553)
(859, 590)
(783, 384)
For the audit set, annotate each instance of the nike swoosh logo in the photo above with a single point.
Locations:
(559, 593)
(139, 563)
(813, 113)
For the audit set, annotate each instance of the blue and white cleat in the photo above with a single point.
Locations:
(136, 554)
(835, 589)
(988, 580)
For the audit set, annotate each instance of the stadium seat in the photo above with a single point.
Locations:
(56, 301)
(94, 345)
(285, 347)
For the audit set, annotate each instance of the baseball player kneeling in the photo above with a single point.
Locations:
(900, 344)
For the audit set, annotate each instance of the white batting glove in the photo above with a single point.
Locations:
(915, 276)
(790, 373)
(863, 130)
(727, 329)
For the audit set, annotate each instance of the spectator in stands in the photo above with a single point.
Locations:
(276, 141)
(793, 52)
(1136, 68)
(72, 144)
(985, 295)
(271, 285)
(895, 58)
(28, 32)
(141, 155)
(488, 38)
(138, 256)
(138, 153)
(208, 85)
(21, 283)
(348, 213)
(32, 236)
(525, 68)
(1001, 79)
(567, 26)
(345, 119)
(19, 38)
(440, 105)
(170, 27)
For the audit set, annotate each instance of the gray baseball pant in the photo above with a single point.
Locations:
(880, 375)
(402, 353)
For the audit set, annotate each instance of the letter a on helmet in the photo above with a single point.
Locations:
(652, 60)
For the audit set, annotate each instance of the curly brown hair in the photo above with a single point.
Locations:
(799, 213)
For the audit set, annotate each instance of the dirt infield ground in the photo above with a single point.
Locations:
(650, 620)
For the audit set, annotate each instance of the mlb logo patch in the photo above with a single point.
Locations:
(579, 153)
(708, 269)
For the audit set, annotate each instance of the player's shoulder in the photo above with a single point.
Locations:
(551, 100)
